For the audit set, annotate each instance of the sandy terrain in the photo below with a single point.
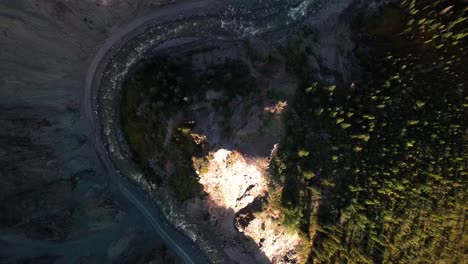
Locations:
(55, 196)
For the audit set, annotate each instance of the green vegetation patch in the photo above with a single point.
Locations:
(153, 94)
(157, 121)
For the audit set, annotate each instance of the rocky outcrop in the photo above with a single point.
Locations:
(236, 203)
(232, 180)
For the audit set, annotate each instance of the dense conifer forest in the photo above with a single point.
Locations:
(373, 172)
(376, 173)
